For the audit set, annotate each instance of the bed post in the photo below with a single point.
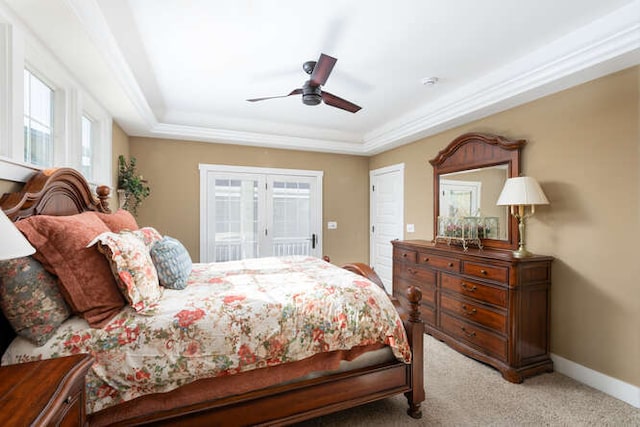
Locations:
(103, 192)
(416, 335)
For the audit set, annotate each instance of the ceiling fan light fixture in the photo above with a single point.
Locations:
(311, 94)
(311, 99)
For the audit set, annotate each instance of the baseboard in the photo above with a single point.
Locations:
(614, 387)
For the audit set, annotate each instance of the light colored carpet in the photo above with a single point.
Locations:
(463, 392)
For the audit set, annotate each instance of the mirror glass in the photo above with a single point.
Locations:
(473, 193)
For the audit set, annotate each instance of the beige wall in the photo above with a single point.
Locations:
(171, 167)
(120, 146)
(584, 148)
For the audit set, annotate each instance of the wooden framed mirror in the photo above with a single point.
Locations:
(468, 176)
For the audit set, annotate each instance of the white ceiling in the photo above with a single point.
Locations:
(184, 68)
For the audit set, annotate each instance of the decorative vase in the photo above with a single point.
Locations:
(122, 198)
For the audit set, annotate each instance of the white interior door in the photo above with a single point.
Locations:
(387, 219)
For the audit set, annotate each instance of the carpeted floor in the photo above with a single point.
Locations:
(463, 392)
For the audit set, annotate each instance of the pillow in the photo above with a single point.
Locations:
(119, 221)
(148, 235)
(132, 266)
(31, 300)
(172, 261)
(85, 276)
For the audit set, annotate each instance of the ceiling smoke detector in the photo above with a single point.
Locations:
(429, 81)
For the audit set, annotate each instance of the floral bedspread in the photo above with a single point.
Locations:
(231, 317)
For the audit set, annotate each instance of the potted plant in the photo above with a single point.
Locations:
(133, 186)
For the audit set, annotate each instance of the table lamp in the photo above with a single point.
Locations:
(520, 192)
(12, 243)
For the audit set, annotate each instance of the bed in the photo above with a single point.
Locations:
(253, 388)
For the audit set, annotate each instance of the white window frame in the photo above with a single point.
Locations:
(20, 49)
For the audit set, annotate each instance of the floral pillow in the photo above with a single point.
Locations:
(172, 261)
(148, 235)
(132, 267)
(31, 300)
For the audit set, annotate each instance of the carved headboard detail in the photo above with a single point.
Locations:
(60, 191)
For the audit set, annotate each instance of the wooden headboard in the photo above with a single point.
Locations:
(59, 192)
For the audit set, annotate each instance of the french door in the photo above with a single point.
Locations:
(250, 212)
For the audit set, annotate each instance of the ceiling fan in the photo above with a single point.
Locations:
(311, 91)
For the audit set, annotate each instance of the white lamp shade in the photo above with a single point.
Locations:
(12, 243)
(522, 190)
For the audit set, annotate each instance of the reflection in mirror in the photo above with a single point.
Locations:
(474, 193)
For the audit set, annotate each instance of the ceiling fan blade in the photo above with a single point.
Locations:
(293, 92)
(336, 101)
(323, 68)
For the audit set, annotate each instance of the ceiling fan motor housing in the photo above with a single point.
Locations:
(311, 94)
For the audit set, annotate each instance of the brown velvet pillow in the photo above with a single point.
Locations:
(119, 221)
(87, 283)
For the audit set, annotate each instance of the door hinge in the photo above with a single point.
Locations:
(373, 228)
(373, 188)
(266, 232)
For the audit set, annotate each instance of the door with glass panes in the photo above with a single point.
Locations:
(257, 212)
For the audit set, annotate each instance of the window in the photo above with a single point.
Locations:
(47, 119)
(38, 121)
(86, 161)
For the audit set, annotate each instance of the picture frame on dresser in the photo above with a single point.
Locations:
(481, 301)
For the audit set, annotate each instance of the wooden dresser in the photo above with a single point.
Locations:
(484, 303)
(48, 392)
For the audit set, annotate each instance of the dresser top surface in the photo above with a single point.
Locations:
(457, 251)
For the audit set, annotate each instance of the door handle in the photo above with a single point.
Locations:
(313, 241)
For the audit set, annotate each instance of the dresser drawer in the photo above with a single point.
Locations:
(419, 275)
(474, 312)
(404, 255)
(475, 335)
(489, 272)
(443, 263)
(469, 288)
(427, 304)
(400, 287)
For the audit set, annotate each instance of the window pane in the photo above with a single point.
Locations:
(236, 222)
(87, 148)
(38, 121)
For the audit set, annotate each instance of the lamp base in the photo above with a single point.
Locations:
(521, 253)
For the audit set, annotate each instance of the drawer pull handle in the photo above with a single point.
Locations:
(411, 270)
(404, 255)
(450, 264)
(468, 288)
(468, 334)
(68, 400)
(426, 259)
(467, 311)
(483, 272)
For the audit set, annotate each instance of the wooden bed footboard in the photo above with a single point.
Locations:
(65, 192)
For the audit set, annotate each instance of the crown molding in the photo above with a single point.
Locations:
(95, 25)
(255, 139)
(609, 44)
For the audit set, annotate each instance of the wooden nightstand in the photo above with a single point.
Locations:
(47, 392)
